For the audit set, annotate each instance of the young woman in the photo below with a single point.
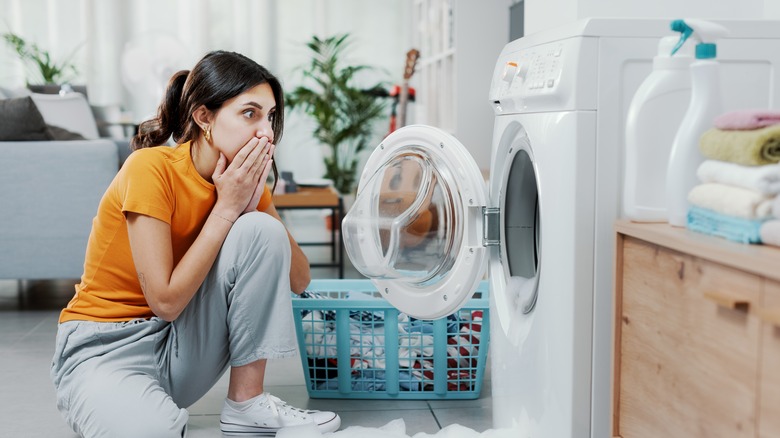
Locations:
(188, 269)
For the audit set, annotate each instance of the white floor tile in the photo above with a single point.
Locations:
(479, 418)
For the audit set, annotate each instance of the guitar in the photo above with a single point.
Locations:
(403, 99)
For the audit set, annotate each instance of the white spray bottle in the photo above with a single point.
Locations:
(705, 105)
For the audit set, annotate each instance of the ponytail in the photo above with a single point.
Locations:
(170, 119)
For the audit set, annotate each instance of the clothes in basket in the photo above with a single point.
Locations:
(414, 349)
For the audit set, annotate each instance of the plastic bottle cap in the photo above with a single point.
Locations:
(705, 51)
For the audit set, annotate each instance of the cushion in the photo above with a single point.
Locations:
(57, 133)
(70, 110)
(20, 120)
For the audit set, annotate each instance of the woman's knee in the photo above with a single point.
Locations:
(262, 229)
(124, 405)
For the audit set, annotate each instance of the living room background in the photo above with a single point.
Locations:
(272, 32)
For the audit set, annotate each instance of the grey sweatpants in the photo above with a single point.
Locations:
(133, 379)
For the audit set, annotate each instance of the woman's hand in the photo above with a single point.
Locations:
(258, 193)
(236, 182)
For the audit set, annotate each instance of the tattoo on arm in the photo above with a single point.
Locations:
(142, 281)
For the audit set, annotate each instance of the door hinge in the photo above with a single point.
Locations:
(491, 223)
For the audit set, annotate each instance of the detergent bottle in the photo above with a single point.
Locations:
(704, 106)
(654, 116)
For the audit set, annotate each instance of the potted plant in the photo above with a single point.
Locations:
(52, 73)
(343, 112)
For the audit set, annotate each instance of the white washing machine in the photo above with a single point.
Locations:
(423, 225)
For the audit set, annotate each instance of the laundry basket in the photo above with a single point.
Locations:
(345, 332)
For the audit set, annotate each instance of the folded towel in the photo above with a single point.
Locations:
(731, 201)
(747, 119)
(770, 232)
(713, 223)
(763, 179)
(751, 148)
(776, 207)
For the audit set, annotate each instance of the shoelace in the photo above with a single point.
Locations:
(279, 407)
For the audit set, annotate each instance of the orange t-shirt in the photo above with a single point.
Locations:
(160, 182)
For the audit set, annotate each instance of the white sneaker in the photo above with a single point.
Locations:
(268, 414)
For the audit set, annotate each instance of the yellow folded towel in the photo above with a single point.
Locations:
(751, 148)
(731, 201)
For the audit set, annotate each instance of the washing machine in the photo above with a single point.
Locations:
(425, 226)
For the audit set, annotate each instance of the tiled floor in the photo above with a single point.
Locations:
(27, 406)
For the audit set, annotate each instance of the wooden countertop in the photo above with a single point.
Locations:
(763, 260)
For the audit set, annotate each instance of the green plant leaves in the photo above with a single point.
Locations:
(50, 71)
(344, 113)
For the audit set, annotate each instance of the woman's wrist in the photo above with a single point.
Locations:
(223, 217)
(226, 214)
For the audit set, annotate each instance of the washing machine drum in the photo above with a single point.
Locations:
(415, 228)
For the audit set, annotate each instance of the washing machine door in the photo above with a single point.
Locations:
(415, 228)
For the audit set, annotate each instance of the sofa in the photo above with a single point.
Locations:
(51, 185)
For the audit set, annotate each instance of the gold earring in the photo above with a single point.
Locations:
(207, 134)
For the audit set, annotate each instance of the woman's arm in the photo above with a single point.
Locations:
(300, 272)
(168, 288)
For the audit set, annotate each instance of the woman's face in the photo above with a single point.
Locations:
(245, 116)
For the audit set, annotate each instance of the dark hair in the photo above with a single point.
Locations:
(216, 78)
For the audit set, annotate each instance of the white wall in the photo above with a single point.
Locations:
(544, 14)
(272, 32)
(476, 59)
(772, 9)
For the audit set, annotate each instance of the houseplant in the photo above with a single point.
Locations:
(51, 71)
(343, 112)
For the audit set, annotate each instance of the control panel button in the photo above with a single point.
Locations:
(509, 71)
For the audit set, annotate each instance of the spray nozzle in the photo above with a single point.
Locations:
(685, 32)
(705, 32)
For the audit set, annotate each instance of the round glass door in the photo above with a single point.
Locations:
(415, 225)
(412, 214)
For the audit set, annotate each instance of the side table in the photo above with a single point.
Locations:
(318, 198)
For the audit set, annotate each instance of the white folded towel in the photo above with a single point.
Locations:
(731, 200)
(776, 207)
(770, 232)
(763, 179)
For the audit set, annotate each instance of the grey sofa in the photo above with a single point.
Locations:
(49, 194)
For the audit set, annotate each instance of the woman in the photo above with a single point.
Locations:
(188, 269)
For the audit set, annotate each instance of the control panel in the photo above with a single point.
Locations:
(532, 72)
(538, 78)
(539, 72)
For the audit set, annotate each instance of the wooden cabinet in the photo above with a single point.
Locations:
(769, 372)
(697, 347)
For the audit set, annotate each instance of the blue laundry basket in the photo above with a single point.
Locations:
(345, 330)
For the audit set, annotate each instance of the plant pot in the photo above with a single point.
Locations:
(55, 88)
